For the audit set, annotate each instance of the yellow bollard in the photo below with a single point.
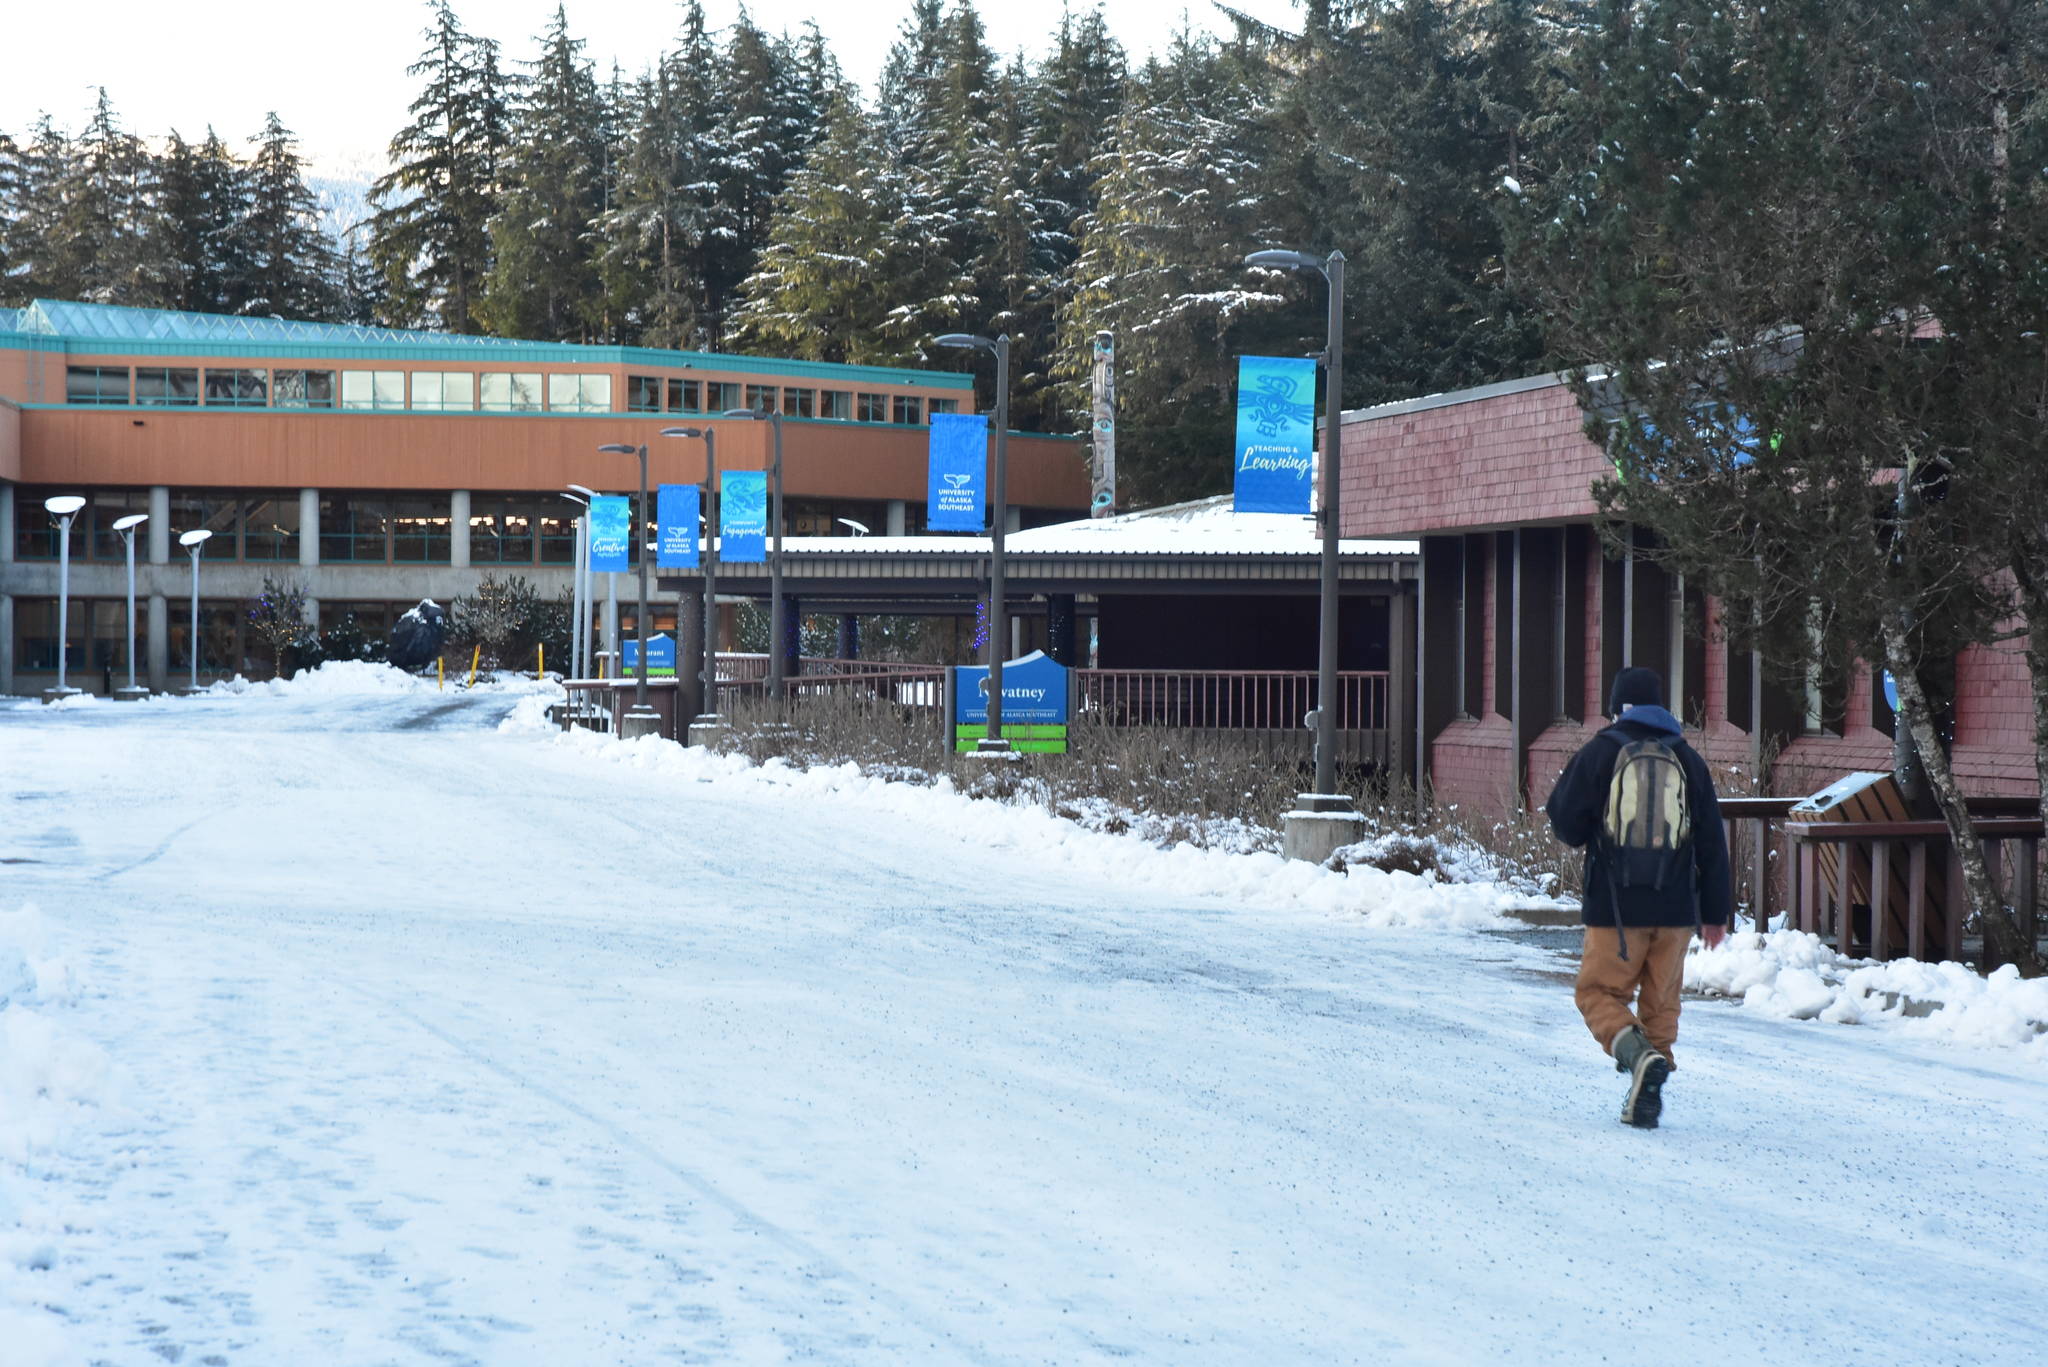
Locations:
(440, 672)
(540, 668)
(475, 656)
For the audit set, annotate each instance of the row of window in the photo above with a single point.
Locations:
(462, 391)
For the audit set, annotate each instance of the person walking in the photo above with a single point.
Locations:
(1641, 803)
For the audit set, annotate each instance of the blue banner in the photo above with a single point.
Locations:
(661, 657)
(743, 517)
(955, 478)
(1276, 433)
(1034, 693)
(611, 523)
(675, 539)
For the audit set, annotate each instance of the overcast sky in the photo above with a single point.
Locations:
(336, 72)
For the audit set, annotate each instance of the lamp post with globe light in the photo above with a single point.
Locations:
(62, 509)
(126, 527)
(195, 543)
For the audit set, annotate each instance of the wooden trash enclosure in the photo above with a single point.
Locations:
(1896, 899)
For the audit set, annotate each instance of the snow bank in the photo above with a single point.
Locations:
(1246, 879)
(50, 1084)
(358, 677)
(1794, 975)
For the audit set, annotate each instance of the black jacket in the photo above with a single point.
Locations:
(1575, 806)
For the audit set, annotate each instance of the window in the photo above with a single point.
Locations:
(35, 531)
(557, 538)
(95, 384)
(761, 398)
(108, 507)
(419, 532)
(835, 403)
(443, 391)
(580, 393)
(35, 635)
(937, 406)
(685, 396)
(800, 403)
(643, 393)
(501, 533)
(155, 386)
(872, 407)
(302, 388)
(354, 530)
(511, 392)
(270, 528)
(905, 409)
(720, 395)
(213, 513)
(237, 388)
(373, 389)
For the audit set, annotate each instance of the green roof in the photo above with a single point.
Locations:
(171, 332)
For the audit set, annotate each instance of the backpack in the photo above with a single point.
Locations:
(1646, 823)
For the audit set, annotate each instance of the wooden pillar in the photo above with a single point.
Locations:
(1402, 737)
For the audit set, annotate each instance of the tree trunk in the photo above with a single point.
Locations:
(2003, 942)
(2034, 606)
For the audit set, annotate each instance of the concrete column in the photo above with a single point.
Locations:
(7, 528)
(309, 527)
(310, 613)
(458, 528)
(898, 516)
(159, 525)
(1013, 523)
(158, 661)
(7, 639)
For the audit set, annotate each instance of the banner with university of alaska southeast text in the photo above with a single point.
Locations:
(958, 464)
(1276, 434)
(676, 509)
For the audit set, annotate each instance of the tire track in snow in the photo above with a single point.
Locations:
(163, 846)
(739, 1210)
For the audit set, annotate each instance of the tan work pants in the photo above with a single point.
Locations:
(1608, 984)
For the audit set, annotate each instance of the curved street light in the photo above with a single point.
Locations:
(640, 719)
(126, 527)
(195, 542)
(62, 508)
(1331, 268)
(579, 594)
(995, 743)
(709, 716)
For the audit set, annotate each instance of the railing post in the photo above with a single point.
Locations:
(2025, 886)
(1809, 885)
(1843, 919)
(1916, 900)
(1880, 894)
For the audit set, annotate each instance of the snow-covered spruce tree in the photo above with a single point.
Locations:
(285, 266)
(1161, 266)
(665, 222)
(543, 281)
(768, 128)
(202, 199)
(100, 245)
(826, 285)
(430, 236)
(30, 171)
(1773, 241)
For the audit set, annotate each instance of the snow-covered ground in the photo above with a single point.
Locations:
(348, 1025)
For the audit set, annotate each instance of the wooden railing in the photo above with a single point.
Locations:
(1229, 699)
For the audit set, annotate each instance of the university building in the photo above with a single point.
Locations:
(375, 467)
(1524, 618)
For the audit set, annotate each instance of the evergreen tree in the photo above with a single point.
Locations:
(827, 285)
(767, 132)
(101, 246)
(1161, 266)
(666, 225)
(544, 280)
(287, 267)
(200, 203)
(430, 237)
(29, 226)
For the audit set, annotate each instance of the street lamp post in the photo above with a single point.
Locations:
(126, 527)
(579, 602)
(994, 745)
(610, 640)
(641, 719)
(775, 621)
(1324, 816)
(707, 721)
(62, 509)
(195, 542)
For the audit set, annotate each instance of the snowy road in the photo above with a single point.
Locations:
(442, 1044)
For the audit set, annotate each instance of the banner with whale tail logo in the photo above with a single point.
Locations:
(957, 472)
(1276, 434)
(743, 516)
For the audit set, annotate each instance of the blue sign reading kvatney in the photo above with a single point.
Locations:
(1276, 433)
(610, 524)
(953, 484)
(675, 541)
(743, 517)
(1034, 693)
